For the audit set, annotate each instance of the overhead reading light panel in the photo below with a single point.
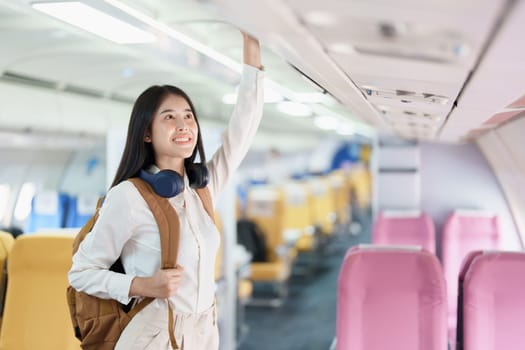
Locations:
(404, 96)
(95, 21)
(397, 113)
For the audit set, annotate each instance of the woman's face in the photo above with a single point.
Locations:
(173, 133)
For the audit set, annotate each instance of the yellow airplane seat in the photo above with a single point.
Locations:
(36, 315)
(6, 244)
(265, 208)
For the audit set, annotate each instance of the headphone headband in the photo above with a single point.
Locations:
(168, 183)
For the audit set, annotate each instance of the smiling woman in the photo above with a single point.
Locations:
(163, 143)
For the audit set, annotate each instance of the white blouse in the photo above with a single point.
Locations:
(126, 227)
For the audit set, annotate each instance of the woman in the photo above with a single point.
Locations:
(163, 134)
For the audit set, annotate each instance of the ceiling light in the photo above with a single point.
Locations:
(326, 122)
(294, 109)
(310, 97)
(95, 21)
(270, 96)
(346, 129)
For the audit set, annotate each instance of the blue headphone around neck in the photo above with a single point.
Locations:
(169, 183)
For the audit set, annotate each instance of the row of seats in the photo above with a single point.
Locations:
(464, 231)
(395, 298)
(52, 209)
(297, 219)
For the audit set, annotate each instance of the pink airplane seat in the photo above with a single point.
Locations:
(464, 231)
(406, 228)
(493, 302)
(393, 298)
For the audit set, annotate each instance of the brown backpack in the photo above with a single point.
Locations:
(98, 322)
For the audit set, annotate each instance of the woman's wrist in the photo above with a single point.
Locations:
(137, 287)
(252, 51)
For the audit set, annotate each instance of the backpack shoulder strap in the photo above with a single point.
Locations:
(205, 196)
(88, 226)
(167, 221)
(169, 230)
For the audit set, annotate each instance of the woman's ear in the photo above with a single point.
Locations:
(147, 138)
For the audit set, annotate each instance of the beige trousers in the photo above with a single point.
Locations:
(148, 330)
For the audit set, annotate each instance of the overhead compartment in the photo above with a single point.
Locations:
(22, 107)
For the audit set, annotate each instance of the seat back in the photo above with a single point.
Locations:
(322, 204)
(340, 182)
(493, 302)
(406, 228)
(265, 208)
(80, 209)
(298, 220)
(296, 213)
(36, 315)
(6, 244)
(391, 298)
(48, 211)
(464, 231)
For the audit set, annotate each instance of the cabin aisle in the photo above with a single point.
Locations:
(307, 319)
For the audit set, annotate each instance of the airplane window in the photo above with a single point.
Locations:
(4, 197)
(23, 205)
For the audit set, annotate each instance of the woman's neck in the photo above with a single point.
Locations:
(172, 164)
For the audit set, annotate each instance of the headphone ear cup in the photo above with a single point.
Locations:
(198, 175)
(166, 183)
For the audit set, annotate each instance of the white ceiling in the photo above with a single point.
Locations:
(431, 70)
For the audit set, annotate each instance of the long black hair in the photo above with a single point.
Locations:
(138, 153)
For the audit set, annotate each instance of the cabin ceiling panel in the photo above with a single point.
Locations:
(407, 50)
